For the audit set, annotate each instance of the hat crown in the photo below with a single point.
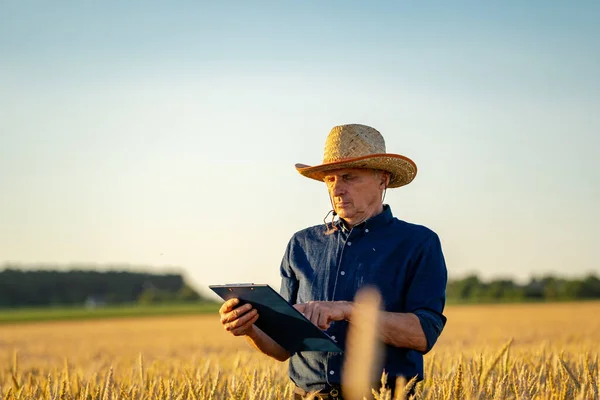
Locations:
(351, 141)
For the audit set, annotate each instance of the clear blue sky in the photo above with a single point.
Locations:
(166, 134)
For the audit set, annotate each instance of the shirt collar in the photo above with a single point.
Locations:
(381, 219)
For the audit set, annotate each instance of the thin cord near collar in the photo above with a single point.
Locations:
(333, 227)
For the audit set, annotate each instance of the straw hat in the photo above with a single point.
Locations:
(360, 146)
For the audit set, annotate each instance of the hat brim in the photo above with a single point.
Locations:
(402, 169)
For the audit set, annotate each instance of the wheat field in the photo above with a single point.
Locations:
(532, 351)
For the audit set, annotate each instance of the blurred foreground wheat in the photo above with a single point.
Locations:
(554, 355)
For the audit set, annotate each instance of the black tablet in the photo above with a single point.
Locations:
(278, 318)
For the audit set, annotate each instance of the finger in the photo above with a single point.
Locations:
(324, 319)
(240, 322)
(317, 315)
(300, 307)
(314, 315)
(229, 305)
(236, 313)
(308, 312)
(244, 329)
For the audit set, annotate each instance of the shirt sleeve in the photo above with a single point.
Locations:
(426, 295)
(289, 282)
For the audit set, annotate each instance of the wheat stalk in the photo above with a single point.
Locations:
(570, 373)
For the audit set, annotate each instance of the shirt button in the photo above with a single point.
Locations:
(343, 273)
(349, 243)
(331, 372)
(367, 230)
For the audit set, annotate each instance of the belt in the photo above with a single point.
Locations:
(330, 393)
(335, 392)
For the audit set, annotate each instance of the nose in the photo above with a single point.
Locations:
(338, 188)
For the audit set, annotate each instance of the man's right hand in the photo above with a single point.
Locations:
(238, 319)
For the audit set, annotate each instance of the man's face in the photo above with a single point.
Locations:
(355, 193)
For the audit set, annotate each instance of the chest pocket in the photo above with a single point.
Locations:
(375, 274)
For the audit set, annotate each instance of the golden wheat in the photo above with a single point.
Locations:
(486, 352)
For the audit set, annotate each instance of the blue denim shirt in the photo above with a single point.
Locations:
(404, 261)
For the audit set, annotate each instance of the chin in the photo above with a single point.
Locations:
(344, 214)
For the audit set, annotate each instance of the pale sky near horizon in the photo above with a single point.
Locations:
(165, 134)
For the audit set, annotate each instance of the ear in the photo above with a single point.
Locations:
(385, 181)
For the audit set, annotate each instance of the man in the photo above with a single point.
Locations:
(324, 266)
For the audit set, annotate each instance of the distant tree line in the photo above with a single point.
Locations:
(36, 287)
(42, 287)
(471, 289)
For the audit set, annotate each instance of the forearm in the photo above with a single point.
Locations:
(397, 329)
(402, 330)
(263, 343)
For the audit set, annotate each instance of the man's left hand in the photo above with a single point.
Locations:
(323, 313)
